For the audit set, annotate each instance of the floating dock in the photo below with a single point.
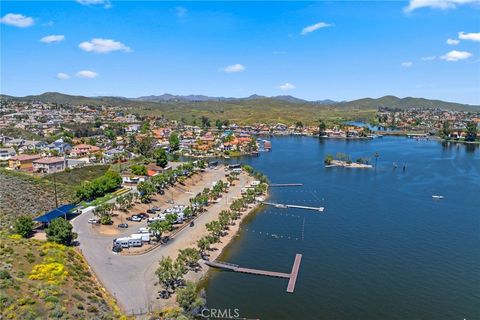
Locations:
(292, 277)
(294, 273)
(273, 185)
(286, 206)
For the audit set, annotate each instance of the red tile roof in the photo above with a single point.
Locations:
(26, 157)
(49, 160)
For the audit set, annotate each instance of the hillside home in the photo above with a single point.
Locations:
(23, 162)
(49, 164)
(6, 153)
(83, 150)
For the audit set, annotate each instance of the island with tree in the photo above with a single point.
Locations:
(345, 160)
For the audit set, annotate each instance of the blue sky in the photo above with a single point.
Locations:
(312, 50)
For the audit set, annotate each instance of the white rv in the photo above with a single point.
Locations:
(143, 237)
(123, 242)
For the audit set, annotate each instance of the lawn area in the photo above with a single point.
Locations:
(43, 280)
(105, 198)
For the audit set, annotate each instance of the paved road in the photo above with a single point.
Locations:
(130, 279)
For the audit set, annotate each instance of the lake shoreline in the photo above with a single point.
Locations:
(220, 248)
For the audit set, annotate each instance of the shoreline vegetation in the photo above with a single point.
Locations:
(181, 278)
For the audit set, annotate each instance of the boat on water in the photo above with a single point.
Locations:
(281, 206)
(438, 197)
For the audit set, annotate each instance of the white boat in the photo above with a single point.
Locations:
(437, 197)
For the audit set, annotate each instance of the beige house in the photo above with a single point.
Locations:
(49, 164)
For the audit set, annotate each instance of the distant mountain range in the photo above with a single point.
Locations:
(201, 98)
(202, 101)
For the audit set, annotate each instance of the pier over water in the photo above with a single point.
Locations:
(292, 277)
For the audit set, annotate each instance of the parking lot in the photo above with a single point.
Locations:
(131, 278)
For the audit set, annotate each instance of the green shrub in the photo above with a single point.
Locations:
(92, 309)
(4, 274)
(52, 299)
(78, 296)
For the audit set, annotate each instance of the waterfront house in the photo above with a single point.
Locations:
(49, 164)
(23, 162)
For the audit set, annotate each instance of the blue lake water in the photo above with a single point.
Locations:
(383, 248)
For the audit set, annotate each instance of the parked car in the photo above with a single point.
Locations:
(136, 219)
(143, 215)
(150, 211)
(117, 248)
(123, 225)
(156, 208)
(93, 221)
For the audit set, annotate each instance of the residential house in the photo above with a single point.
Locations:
(59, 146)
(84, 150)
(23, 162)
(132, 128)
(6, 153)
(49, 164)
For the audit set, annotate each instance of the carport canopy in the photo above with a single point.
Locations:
(55, 213)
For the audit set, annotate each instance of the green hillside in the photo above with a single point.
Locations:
(254, 109)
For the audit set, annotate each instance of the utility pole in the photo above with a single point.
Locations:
(55, 189)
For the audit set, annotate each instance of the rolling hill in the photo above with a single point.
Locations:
(252, 109)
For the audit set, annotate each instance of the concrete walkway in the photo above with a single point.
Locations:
(131, 279)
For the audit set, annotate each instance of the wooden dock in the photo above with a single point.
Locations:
(292, 277)
(294, 274)
(273, 185)
(286, 206)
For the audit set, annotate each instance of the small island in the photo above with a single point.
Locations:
(344, 160)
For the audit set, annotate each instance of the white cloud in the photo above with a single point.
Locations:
(315, 27)
(407, 64)
(234, 68)
(86, 74)
(17, 20)
(100, 45)
(456, 55)
(53, 38)
(452, 42)
(62, 76)
(286, 86)
(181, 12)
(469, 36)
(436, 4)
(428, 58)
(105, 3)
